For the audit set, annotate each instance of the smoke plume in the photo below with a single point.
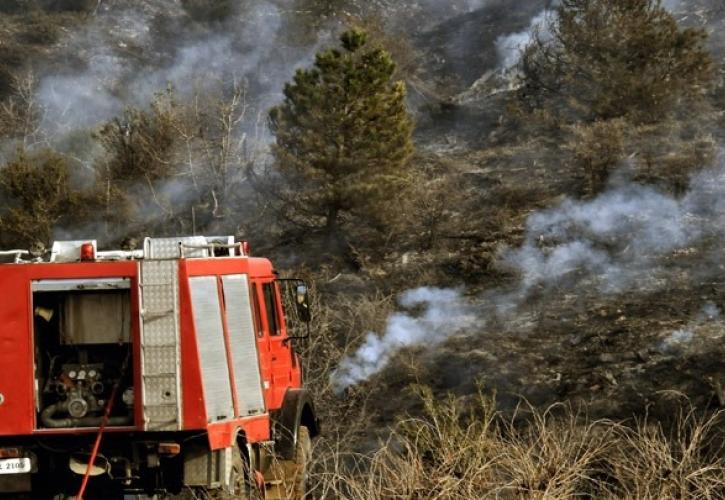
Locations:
(124, 60)
(443, 313)
(510, 47)
(681, 339)
(613, 243)
(616, 237)
(617, 240)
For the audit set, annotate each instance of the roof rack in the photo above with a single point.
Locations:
(16, 254)
(186, 247)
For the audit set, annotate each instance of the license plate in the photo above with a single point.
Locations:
(15, 466)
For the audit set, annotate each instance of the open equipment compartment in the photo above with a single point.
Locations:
(82, 349)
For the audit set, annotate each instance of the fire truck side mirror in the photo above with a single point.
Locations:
(302, 299)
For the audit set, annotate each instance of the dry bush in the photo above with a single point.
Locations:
(339, 325)
(558, 454)
(20, 113)
(671, 152)
(468, 451)
(39, 197)
(11, 59)
(598, 149)
(684, 462)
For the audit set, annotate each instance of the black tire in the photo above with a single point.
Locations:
(303, 453)
(291, 475)
(241, 481)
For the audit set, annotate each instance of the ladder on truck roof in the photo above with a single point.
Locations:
(160, 338)
(160, 352)
(160, 331)
(153, 248)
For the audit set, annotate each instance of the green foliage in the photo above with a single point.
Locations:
(139, 143)
(343, 135)
(139, 150)
(40, 197)
(606, 59)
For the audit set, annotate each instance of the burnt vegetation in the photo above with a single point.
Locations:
(378, 169)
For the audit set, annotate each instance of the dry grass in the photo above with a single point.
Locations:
(469, 451)
(464, 448)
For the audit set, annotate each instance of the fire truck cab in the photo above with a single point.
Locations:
(168, 370)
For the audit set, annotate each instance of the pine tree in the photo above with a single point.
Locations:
(343, 135)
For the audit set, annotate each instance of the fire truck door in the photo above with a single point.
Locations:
(280, 350)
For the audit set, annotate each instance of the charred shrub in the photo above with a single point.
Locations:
(6, 82)
(68, 5)
(13, 6)
(39, 29)
(12, 58)
(205, 11)
(603, 60)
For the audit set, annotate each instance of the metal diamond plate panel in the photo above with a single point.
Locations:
(170, 248)
(202, 468)
(164, 360)
(161, 418)
(159, 390)
(160, 345)
(243, 345)
(212, 350)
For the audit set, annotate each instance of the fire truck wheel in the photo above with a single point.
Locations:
(303, 452)
(237, 483)
(242, 488)
(292, 473)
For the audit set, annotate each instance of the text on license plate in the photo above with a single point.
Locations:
(15, 466)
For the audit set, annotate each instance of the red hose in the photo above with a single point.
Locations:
(97, 444)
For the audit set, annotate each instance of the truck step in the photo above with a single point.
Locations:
(152, 315)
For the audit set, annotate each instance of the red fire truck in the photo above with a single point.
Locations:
(168, 370)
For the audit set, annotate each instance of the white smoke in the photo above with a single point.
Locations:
(613, 242)
(510, 47)
(672, 5)
(617, 239)
(448, 8)
(445, 312)
(676, 340)
(681, 338)
(94, 92)
(710, 312)
(123, 59)
(127, 67)
(616, 236)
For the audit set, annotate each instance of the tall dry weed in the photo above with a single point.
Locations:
(463, 449)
